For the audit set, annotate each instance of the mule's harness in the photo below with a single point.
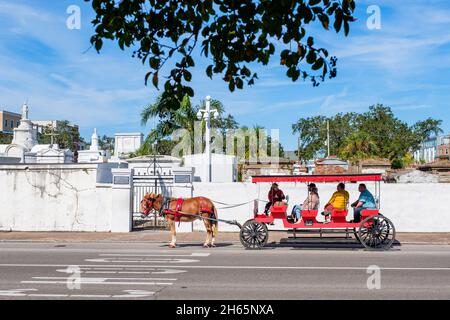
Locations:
(177, 213)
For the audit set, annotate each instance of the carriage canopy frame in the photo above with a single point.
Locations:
(319, 178)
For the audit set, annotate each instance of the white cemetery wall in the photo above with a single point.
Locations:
(53, 198)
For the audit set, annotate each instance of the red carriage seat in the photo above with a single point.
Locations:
(309, 217)
(368, 213)
(339, 216)
(278, 212)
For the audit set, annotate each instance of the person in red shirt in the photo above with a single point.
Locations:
(275, 195)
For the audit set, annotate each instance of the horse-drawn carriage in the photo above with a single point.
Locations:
(375, 231)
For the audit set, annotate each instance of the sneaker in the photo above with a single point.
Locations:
(327, 221)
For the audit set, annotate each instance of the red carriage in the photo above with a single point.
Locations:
(375, 231)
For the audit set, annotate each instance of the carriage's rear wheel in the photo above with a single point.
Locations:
(254, 235)
(376, 232)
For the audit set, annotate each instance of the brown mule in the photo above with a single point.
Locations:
(199, 206)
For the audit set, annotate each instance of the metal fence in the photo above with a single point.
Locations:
(149, 184)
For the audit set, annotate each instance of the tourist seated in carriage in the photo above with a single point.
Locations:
(366, 201)
(311, 203)
(339, 201)
(275, 195)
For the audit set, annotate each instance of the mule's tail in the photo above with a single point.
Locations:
(215, 225)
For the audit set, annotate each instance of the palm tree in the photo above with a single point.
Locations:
(172, 117)
(357, 147)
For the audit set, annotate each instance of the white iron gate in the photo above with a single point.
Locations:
(160, 177)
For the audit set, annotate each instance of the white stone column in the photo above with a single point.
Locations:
(182, 188)
(122, 200)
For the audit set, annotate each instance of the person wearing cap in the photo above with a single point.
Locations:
(311, 202)
(275, 195)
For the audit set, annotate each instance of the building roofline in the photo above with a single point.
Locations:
(11, 113)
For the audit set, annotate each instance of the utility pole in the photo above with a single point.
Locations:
(206, 115)
(208, 134)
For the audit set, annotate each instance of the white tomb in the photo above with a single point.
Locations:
(94, 154)
(126, 143)
(223, 167)
(25, 148)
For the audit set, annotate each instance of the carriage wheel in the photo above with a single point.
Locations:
(254, 235)
(376, 232)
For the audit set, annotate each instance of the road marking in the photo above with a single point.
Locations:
(168, 267)
(90, 296)
(140, 260)
(194, 254)
(48, 295)
(15, 292)
(82, 281)
(128, 294)
(106, 279)
(133, 270)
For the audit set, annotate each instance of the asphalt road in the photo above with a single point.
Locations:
(152, 271)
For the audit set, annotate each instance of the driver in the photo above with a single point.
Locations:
(366, 201)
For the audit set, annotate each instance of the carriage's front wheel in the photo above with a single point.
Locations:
(254, 235)
(376, 232)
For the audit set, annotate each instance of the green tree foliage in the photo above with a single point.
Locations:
(358, 146)
(5, 138)
(257, 151)
(65, 135)
(106, 143)
(158, 141)
(375, 133)
(233, 36)
(171, 119)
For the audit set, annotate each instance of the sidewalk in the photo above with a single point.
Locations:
(197, 236)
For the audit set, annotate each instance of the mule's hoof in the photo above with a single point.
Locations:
(172, 245)
(205, 245)
(213, 245)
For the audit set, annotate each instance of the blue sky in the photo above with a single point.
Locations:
(405, 65)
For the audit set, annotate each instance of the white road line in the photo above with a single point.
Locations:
(102, 283)
(48, 295)
(169, 267)
(115, 272)
(132, 270)
(194, 254)
(134, 294)
(106, 279)
(138, 260)
(128, 294)
(15, 292)
(90, 296)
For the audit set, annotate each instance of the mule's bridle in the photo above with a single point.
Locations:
(164, 204)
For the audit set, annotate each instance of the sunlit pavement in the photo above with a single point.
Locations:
(149, 270)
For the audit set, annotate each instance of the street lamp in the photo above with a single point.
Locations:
(206, 115)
